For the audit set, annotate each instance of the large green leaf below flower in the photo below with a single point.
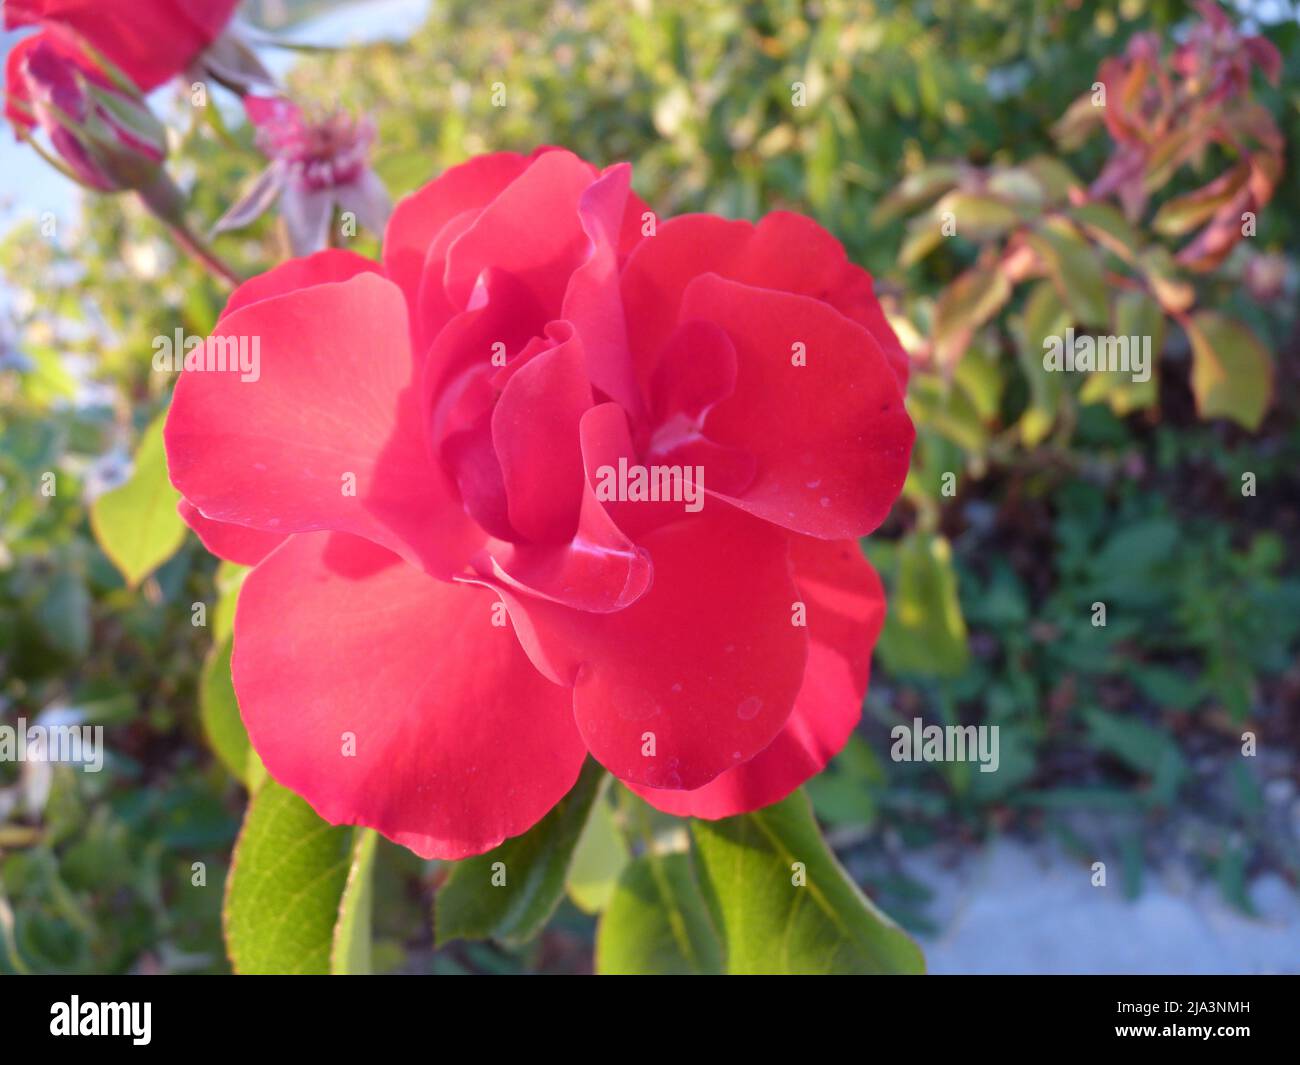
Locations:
(510, 892)
(783, 904)
(297, 894)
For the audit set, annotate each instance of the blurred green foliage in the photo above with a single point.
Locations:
(992, 586)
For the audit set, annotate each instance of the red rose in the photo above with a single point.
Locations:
(150, 40)
(460, 427)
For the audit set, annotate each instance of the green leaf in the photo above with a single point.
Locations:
(63, 613)
(1142, 747)
(136, 523)
(785, 905)
(1056, 179)
(936, 404)
(1076, 269)
(964, 306)
(219, 713)
(350, 954)
(924, 631)
(1174, 294)
(1136, 315)
(1109, 228)
(1045, 315)
(1232, 372)
(978, 218)
(922, 237)
(599, 859)
(845, 794)
(1019, 186)
(474, 904)
(287, 876)
(657, 923)
(1184, 213)
(915, 190)
(229, 579)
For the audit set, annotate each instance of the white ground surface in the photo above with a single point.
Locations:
(1015, 909)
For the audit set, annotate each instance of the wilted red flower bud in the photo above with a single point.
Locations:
(102, 130)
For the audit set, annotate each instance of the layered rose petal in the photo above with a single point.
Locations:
(638, 223)
(784, 251)
(845, 611)
(830, 436)
(594, 566)
(531, 230)
(535, 433)
(328, 437)
(697, 372)
(601, 569)
(592, 301)
(417, 221)
(234, 543)
(697, 675)
(390, 699)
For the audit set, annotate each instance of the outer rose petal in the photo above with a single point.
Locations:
(707, 661)
(784, 251)
(459, 741)
(531, 230)
(417, 219)
(234, 543)
(333, 401)
(333, 264)
(831, 437)
(846, 609)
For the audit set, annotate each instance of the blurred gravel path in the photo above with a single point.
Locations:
(1022, 909)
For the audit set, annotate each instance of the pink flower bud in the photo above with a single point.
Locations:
(104, 134)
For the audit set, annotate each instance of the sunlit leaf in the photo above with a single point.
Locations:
(136, 523)
(219, 712)
(599, 859)
(1232, 372)
(350, 952)
(783, 904)
(286, 879)
(964, 306)
(924, 631)
(1076, 268)
(657, 922)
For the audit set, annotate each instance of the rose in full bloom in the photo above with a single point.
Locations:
(459, 590)
(150, 41)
